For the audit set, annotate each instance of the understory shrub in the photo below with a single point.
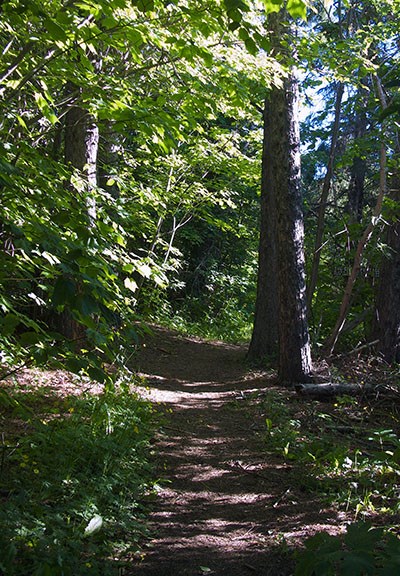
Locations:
(362, 551)
(74, 485)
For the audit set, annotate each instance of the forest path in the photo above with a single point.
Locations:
(226, 507)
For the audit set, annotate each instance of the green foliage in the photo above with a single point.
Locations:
(172, 160)
(362, 550)
(74, 486)
(352, 463)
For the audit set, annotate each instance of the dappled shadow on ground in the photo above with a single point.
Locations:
(225, 507)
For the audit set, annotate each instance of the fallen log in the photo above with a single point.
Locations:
(327, 390)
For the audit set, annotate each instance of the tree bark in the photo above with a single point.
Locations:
(386, 327)
(294, 342)
(282, 238)
(81, 141)
(80, 151)
(359, 166)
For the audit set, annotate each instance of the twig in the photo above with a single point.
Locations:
(280, 500)
(251, 472)
(250, 567)
(358, 349)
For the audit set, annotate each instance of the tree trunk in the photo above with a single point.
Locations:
(294, 342)
(264, 340)
(80, 151)
(81, 147)
(282, 236)
(387, 317)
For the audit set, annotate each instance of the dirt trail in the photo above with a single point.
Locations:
(228, 508)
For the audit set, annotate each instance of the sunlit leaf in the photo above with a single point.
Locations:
(144, 270)
(130, 284)
(297, 9)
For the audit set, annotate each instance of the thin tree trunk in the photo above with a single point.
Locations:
(344, 307)
(324, 198)
(359, 166)
(80, 152)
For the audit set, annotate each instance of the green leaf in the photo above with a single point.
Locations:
(55, 31)
(64, 291)
(233, 25)
(251, 46)
(144, 5)
(360, 536)
(88, 305)
(30, 338)
(297, 9)
(272, 5)
(75, 364)
(22, 122)
(9, 323)
(243, 34)
(97, 374)
(358, 564)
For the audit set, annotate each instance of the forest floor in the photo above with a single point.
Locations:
(226, 505)
(246, 469)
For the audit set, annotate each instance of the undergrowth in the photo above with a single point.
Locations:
(229, 320)
(348, 451)
(350, 455)
(74, 479)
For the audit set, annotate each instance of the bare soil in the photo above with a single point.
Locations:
(226, 506)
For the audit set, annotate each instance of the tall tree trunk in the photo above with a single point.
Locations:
(294, 342)
(282, 236)
(81, 142)
(386, 327)
(264, 340)
(81, 148)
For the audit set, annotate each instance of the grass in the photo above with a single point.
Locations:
(74, 479)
